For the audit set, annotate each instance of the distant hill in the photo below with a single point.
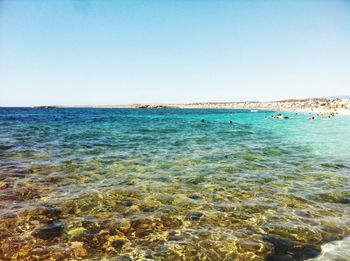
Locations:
(341, 97)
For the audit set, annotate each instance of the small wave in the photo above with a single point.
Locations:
(337, 250)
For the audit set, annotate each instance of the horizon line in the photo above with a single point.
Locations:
(186, 103)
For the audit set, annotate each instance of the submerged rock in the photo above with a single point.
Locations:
(148, 209)
(123, 258)
(26, 192)
(52, 212)
(3, 185)
(49, 231)
(195, 216)
(195, 197)
(175, 238)
(79, 250)
(127, 203)
(341, 197)
(345, 200)
(288, 250)
(76, 231)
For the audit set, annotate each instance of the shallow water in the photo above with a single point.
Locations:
(335, 250)
(136, 184)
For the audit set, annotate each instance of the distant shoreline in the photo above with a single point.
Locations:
(317, 105)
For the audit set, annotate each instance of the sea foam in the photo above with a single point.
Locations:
(336, 250)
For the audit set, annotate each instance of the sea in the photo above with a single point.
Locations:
(173, 184)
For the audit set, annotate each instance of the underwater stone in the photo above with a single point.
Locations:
(285, 249)
(118, 244)
(144, 233)
(3, 185)
(171, 222)
(240, 215)
(123, 258)
(78, 249)
(51, 212)
(127, 203)
(175, 238)
(254, 246)
(124, 225)
(195, 216)
(345, 200)
(147, 209)
(24, 193)
(76, 231)
(4, 233)
(91, 225)
(49, 231)
(194, 197)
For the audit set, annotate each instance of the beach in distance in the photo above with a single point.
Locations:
(317, 105)
(173, 184)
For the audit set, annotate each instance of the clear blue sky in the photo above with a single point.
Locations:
(118, 52)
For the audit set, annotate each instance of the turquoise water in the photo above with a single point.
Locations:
(159, 184)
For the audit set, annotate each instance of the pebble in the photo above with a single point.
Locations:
(79, 250)
(195, 216)
(127, 203)
(49, 231)
(3, 185)
(53, 213)
(194, 197)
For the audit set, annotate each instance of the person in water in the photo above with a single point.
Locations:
(202, 120)
(280, 116)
